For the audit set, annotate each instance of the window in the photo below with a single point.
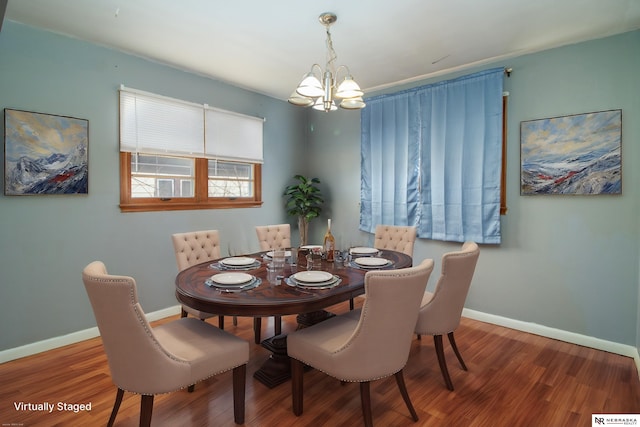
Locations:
(176, 155)
(228, 179)
(157, 176)
(432, 157)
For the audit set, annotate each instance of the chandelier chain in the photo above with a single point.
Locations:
(331, 53)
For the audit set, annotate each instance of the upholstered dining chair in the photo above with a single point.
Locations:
(395, 238)
(193, 248)
(365, 344)
(270, 237)
(441, 310)
(169, 357)
(276, 236)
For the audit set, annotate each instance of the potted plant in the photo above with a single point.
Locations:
(304, 201)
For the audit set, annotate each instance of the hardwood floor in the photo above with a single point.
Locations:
(514, 379)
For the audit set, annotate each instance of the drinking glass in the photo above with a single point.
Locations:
(273, 275)
(343, 257)
(279, 260)
(346, 257)
(314, 261)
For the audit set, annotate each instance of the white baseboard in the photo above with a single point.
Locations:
(74, 337)
(545, 331)
(558, 334)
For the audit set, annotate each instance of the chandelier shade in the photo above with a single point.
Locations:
(349, 89)
(321, 105)
(299, 100)
(352, 103)
(318, 88)
(310, 86)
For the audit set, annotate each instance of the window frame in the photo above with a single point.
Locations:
(201, 199)
(503, 170)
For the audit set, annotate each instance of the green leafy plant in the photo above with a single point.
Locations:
(304, 200)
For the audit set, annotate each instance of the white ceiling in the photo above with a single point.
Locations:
(266, 46)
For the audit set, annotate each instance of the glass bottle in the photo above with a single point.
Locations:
(329, 243)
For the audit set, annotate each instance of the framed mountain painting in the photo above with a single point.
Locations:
(577, 155)
(45, 154)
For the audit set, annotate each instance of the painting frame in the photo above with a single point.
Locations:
(577, 154)
(45, 154)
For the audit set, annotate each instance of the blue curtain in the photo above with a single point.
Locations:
(431, 157)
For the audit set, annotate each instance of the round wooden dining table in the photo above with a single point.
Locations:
(276, 299)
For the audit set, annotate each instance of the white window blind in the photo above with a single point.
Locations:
(155, 124)
(231, 136)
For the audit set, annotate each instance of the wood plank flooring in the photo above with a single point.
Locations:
(514, 379)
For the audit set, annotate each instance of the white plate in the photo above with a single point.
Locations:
(363, 251)
(311, 247)
(334, 281)
(371, 261)
(238, 261)
(287, 254)
(313, 276)
(254, 283)
(316, 285)
(232, 278)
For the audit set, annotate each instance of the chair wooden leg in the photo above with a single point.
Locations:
(277, 325)
(116, 406)
(239, 382)
(146, 410)
(183, 312)
(257, 327)
(221, 322)
(405, 395)
(351, 304)
(437, 339)
(297, 371)
(235, 320)
(452, 341)
(365, 400)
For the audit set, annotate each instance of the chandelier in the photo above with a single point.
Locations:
(318, 88)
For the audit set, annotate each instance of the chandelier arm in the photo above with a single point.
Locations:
(341, 67)
(318, 68)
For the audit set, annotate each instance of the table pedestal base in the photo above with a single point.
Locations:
(277, 369)
(309, 319)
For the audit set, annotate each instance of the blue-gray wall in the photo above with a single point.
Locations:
(45, 241)
(569, 263)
